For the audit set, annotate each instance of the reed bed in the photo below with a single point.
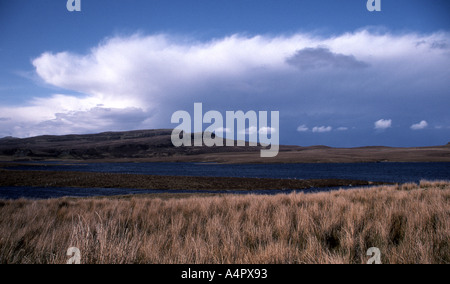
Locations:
(409, 223)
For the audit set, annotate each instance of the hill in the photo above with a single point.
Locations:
(156, 146)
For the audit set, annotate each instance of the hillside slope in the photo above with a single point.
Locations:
(156, 146)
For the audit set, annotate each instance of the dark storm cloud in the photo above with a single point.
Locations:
(312, 58)
(348, 82)
(440, 45)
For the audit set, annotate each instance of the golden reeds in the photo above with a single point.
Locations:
(408, 223)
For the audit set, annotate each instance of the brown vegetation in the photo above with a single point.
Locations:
(110, 180)
(408, 223)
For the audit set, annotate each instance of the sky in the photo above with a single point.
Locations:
(338, 74)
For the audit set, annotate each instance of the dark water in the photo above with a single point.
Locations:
(383, 172)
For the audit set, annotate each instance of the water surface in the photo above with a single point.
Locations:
(382, 172)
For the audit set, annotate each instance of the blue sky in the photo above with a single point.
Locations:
(338, 74)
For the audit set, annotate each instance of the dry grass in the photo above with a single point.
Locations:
(408, 223)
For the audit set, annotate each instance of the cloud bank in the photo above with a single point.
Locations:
(138, 81)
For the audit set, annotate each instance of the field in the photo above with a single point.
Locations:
(408, 223)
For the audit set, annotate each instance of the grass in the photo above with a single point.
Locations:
(409, 224)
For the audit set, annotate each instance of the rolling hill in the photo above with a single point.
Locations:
(156, 146)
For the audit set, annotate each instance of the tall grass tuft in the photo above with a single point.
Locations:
(408, 223)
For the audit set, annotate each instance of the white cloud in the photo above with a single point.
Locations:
(263, 130)
(322, 129)
(249, 131)
(150, 77)
(267, 130)
(419, 126)
(302, 128)
(383, 124)
(222, 130)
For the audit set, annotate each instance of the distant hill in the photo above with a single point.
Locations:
(108, 145)
(156, 146)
